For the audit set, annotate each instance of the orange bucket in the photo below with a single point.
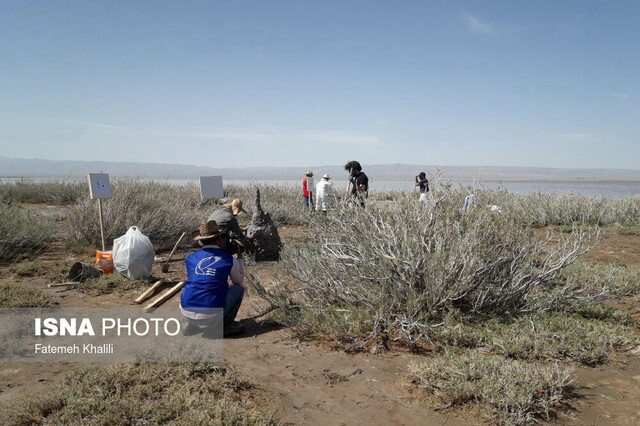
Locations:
(104, 261)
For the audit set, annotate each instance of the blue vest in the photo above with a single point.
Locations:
(208, 272)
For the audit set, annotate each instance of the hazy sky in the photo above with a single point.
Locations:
(294, 83)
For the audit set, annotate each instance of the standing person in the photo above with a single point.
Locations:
(307, 190)
(225, 218)
(325, 194)
(423, 183)
(359, 182)
(206, 293)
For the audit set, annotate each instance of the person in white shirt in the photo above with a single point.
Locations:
(325, 194)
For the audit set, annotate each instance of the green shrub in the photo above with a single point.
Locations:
(508, 391)
(21, 296)
(543, 337)
(22, 234)
(600, 312)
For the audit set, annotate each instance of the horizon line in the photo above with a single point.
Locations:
(319, 166)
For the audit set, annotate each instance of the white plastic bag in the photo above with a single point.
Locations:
(133, 254)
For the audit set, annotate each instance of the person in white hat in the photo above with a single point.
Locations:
(325, 194)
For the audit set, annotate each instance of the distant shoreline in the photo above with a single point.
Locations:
(608, 188)
(339, 178)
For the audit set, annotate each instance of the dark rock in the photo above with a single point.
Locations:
(266, 240)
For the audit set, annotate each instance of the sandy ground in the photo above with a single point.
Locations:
(306, 383)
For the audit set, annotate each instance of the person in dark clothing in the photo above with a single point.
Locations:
(359, 182)
(422, 182)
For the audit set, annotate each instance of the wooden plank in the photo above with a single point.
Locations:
(148, 292)
(63, 284)
(164, 296)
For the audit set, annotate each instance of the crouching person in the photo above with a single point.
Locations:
(206, 292)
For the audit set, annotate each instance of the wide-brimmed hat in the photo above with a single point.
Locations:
(309, 173)
(326, 176)
(235, 206)
(208, 230)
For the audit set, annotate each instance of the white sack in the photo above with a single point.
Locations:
(133, 254)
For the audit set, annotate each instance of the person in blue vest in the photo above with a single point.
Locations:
(207, 294)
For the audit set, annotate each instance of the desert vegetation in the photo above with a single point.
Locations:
(398, 271)
(513, 392)
(22, 234)
(138, 394)
(284, 203)
(54, 192)
(163, 211)
(615, 280)
(550, 337)
(21, 296)
(543, 209)
(111, 283)
(506, 302)
(503, 301)
(160, 211)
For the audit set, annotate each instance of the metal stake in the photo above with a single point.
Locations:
(101, 223)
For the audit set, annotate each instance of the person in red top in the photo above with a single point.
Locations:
(307, 190)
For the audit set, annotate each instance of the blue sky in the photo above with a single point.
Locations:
(296, 83)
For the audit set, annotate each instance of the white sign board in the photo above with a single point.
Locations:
(99, 185)
(211, 187)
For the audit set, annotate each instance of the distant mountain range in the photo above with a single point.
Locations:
(36, 168)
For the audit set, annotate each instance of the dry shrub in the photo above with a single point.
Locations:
(55, 192)
(22, 233)
(161, 211)
(398, 269)
(544, 209)
(508, 391)
(135, 394)
(284, 203)
(538, 209)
